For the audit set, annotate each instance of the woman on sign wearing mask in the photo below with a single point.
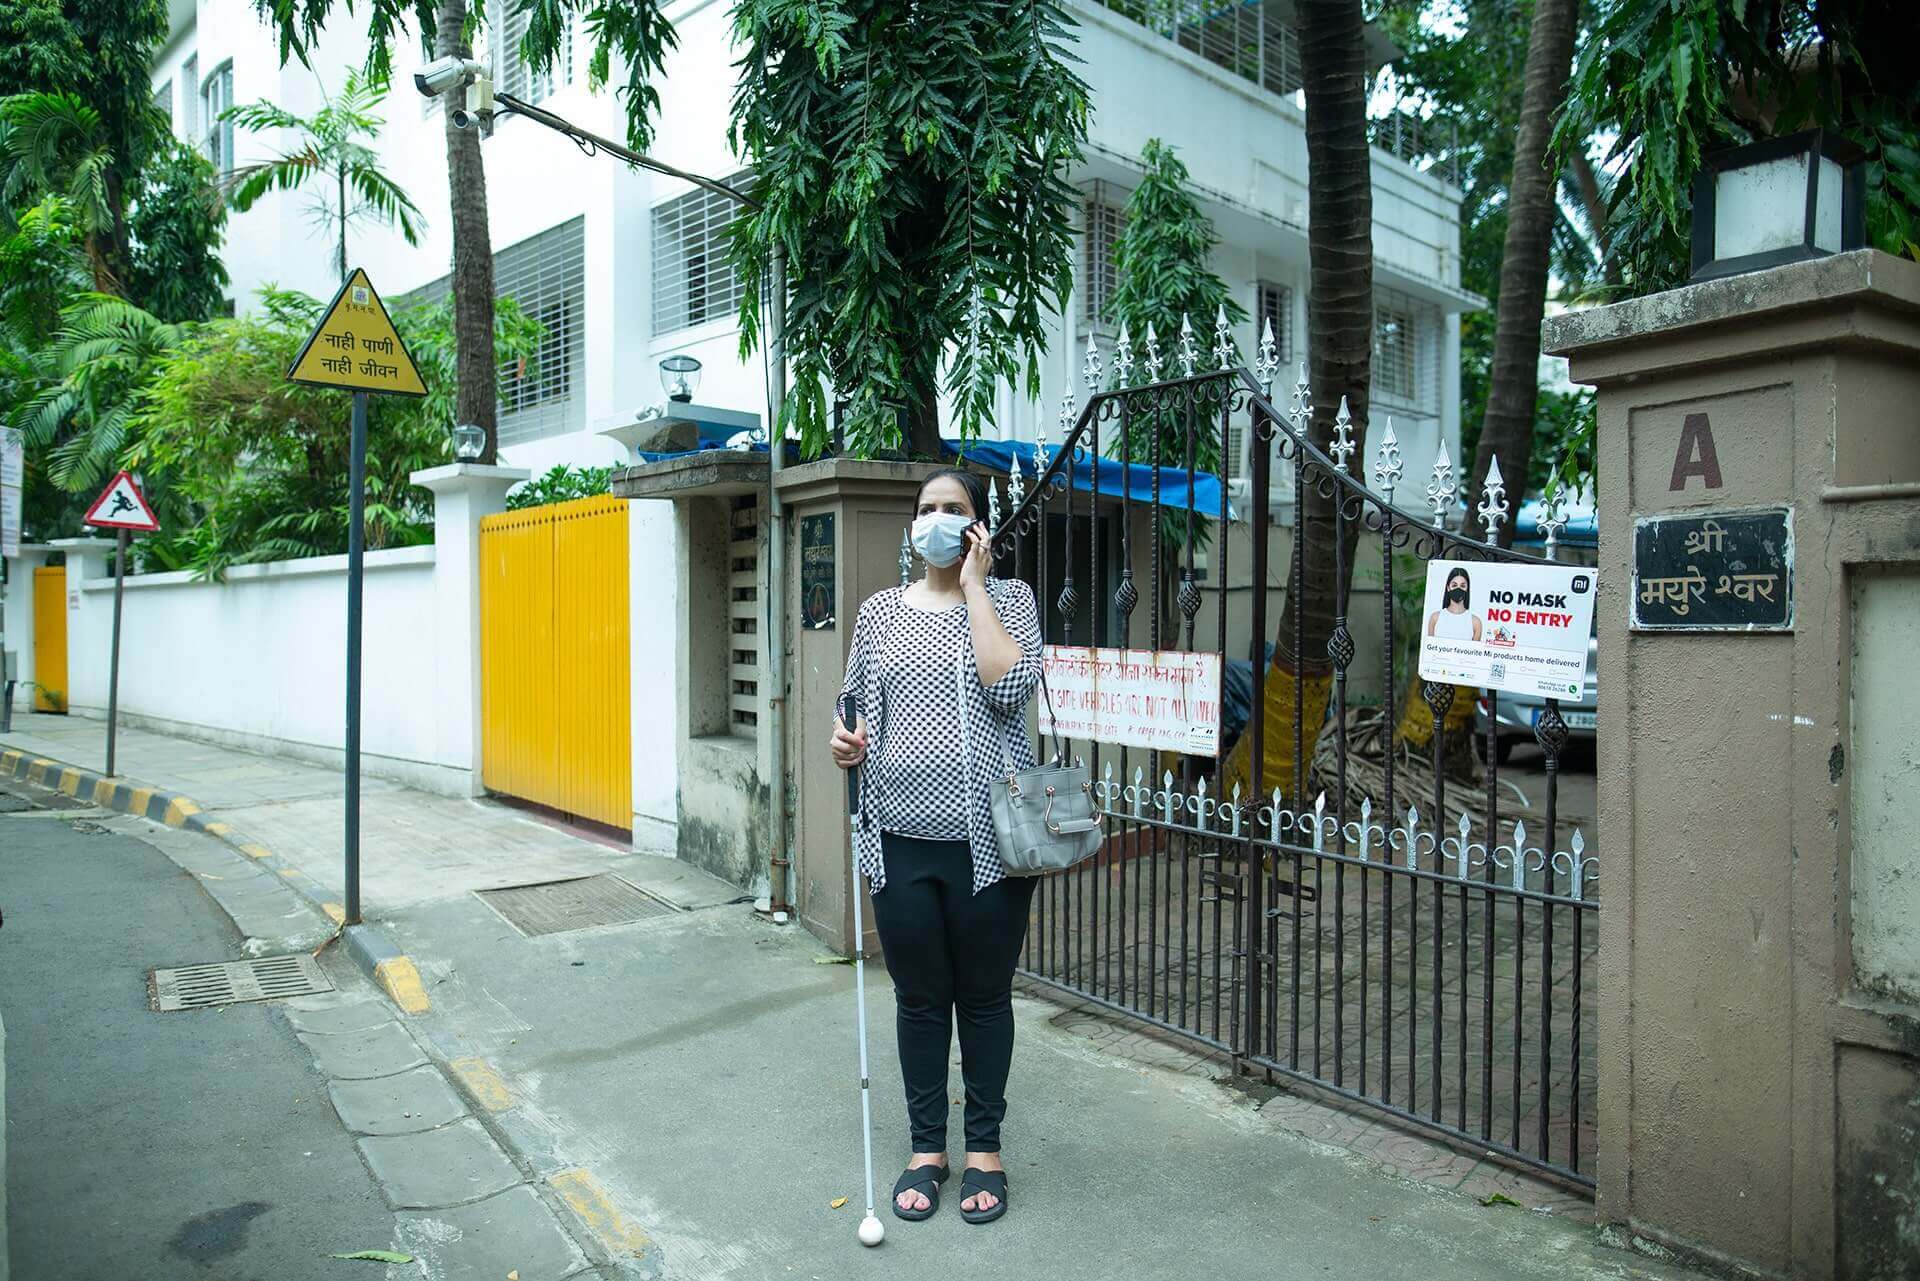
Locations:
(1453, 620)
(943, 669)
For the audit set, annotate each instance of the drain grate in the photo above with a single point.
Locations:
(266, 978)
(558, 906)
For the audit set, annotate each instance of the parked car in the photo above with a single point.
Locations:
(1518, 712)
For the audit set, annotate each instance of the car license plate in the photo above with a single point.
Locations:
(1574, 720)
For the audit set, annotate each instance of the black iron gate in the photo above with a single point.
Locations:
(1355, 925)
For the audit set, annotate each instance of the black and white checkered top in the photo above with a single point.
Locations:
(910, 670)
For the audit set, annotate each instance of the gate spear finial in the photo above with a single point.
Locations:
(1441, 489)
(1493, 501)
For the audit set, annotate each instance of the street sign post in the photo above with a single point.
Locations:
(12, 476)
(356, 348)
(122, 508)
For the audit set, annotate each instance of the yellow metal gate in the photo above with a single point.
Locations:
(50, 638)
(554, 658)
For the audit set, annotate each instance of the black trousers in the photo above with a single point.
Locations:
(951, 953)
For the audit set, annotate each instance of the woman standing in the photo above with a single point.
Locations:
(943, 669)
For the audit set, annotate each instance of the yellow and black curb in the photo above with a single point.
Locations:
(370, 948)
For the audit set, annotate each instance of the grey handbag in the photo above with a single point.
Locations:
(1044, 818)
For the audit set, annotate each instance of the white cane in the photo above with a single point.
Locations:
(871, 1230)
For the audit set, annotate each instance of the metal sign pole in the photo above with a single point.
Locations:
(356, 550)
(113, 669)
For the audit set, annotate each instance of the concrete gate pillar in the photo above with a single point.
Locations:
(1759, 764)
(864, 509)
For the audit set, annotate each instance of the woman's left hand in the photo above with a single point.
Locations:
(973, 570)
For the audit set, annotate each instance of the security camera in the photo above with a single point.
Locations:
(442, 74)
(478, 109)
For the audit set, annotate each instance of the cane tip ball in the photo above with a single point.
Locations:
(871, 1233)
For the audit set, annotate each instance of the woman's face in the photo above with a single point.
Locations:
(944, 494)
(1456, 598)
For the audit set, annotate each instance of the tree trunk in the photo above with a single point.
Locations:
(923, 414)
(1594, 203)
(1340, 327)
(476, 397)
(1513, 385)
(340, 211)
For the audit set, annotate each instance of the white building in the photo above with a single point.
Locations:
(625, 268)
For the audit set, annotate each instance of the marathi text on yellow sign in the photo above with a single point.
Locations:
(355, 346)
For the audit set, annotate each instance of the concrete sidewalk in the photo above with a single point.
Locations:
(687, 1083)
(414, 846)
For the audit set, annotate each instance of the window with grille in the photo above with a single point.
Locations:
(1274, 303)
(693, 278)
(163, 102)
(544, 393)
(1102, 217)
(743, 615)
(216, 95)
(1395, 350)
(506, 28)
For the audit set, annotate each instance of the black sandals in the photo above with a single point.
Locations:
(991, 1182)
(926, 1180)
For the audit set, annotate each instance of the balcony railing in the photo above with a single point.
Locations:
(1254, 44)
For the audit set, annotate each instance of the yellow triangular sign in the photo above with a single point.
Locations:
(356, 347)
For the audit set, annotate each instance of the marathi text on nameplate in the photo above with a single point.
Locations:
(1168, 700)
(1713, 572)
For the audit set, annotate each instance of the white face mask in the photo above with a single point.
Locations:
(941, 537)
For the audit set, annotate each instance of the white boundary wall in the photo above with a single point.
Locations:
(259, 661)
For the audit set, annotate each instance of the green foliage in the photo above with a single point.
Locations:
(912, 163)
(177, 222)
(251, 467)
(1164, 280)
(634, 35)
(42, 264)
(631, 34)
(332, 158)
(55, 144)
(1676, 79)
(98, 51)
(96, 56)
(82, 415)
(561, 485)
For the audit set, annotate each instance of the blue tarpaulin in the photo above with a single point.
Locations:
(1111, 476)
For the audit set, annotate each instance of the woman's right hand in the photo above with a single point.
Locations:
(849, 748)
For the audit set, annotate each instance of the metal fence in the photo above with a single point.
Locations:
(1362, 930)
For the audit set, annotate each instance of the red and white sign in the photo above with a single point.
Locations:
(122, 506)
(1169, 700)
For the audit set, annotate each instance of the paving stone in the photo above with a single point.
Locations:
(454, 1164)
(338, 1017)
(408, 1103)
(511, 1232)
(376, 1051)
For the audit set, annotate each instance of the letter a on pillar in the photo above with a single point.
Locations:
(1696, 455)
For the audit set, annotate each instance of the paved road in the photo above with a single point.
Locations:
(199, 1146)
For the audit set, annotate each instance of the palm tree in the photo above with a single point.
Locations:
(92, 378)
(334, 146)
(476, 395)
(1333, 57)
(1513, 387)
(55, 142)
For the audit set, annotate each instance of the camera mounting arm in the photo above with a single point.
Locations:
(593, 143)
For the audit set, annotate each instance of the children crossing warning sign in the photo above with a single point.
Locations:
(122, 506)
(355, 346)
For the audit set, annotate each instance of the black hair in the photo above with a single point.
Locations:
(1460, 573)
(969, 481)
